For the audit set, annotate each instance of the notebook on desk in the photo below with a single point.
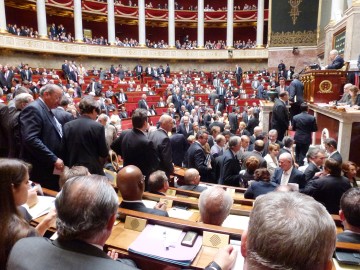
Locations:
(164, 244)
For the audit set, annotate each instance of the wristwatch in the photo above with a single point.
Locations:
(213, 266)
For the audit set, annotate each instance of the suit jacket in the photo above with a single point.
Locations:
(25, 76)
(4, 130)
(182, 130)
(196, 158)
(97, 87)
(233, 122)
(278, 89)
(163, 146)
(179, 146)
(84, 144)
(295, 177)
(337, 63)
(62, 116)
(280, 116)
(143, 104)
(348, 237)
(193, 188)
(253, 122)
(304, 124)
(336, 156)
(136, 149)
(40, 143)
(218, 124)
(123, 115)
(229, 172)
(9, 79)
(73, 255)
(296, 89)
(218, 107)
(328, 191)
(14, 138)
(140, 207)
(310, 171)
(259, 188)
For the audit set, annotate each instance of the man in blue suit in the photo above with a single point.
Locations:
(287, 173)
(41, 136)
(296, 95)
(337, 60)
(229, 172)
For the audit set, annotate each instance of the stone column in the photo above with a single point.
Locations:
(171, 29)
(142, 25)
(200, 28)
(337, 10)
(79, 37)
(3, 26)
(41, 19)
(260, 25)
(229, 24)
(111, 22)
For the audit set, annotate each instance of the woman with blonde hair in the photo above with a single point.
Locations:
(355, 96)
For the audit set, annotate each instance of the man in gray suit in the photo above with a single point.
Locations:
(86, 209)
(296, 95)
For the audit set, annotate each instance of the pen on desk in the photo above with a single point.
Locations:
(166, 244)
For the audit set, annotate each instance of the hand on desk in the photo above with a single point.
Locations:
(47, 222)
(160, 206)
(113, 254)
(226, 257)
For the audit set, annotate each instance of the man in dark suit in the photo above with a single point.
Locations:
(162, 143)
(191, 181)
(134, 146)
(287, 173)
(167, 71)
(329, 189)
(121, 96)
(218, 107)
(337, 60)
(142, 104)
(317, 159)
(280, 115)
(272, 138)
(130, 181)
(221, 92)
(14, 138)
(84, 141)
(138, 71)
(26, 74)
(66, 70)
(4, 130)
(257, 152)
(60, 112)
(8, 75)
(41, 135)
(198, 159)
(296, 90)
(349, 214)
(238, 73)
(185, 128)
(282, 86)
(212, 97)
(233, 120)
(94, 87)
(331, 149)
(217, 123)
(123, 114)
(179, 146)
(89, 200)
(229, 172)
(304, 125)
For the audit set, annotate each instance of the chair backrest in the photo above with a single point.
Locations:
(345, 66)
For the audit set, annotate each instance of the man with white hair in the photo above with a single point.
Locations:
(346, 96)
(287, 173)
(21, 101)
(110, 130)
(337, 60)
(288, 230)
(162, 144)
(214, 205)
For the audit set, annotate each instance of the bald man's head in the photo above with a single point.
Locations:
(130, 182)
(191, 177)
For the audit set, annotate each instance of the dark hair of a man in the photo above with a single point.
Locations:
(139, 117)
(283, 94)
(200, 134)
(88, 104)
(288, 141)
(304, 107)
(333, 167)
(262, 174)
(252, 163)
(350, 205)
(331, 142)
(64, 101)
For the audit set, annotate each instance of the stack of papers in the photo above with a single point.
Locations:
(164, 243)
(43, 206)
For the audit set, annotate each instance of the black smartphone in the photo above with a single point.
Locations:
(189, 239)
